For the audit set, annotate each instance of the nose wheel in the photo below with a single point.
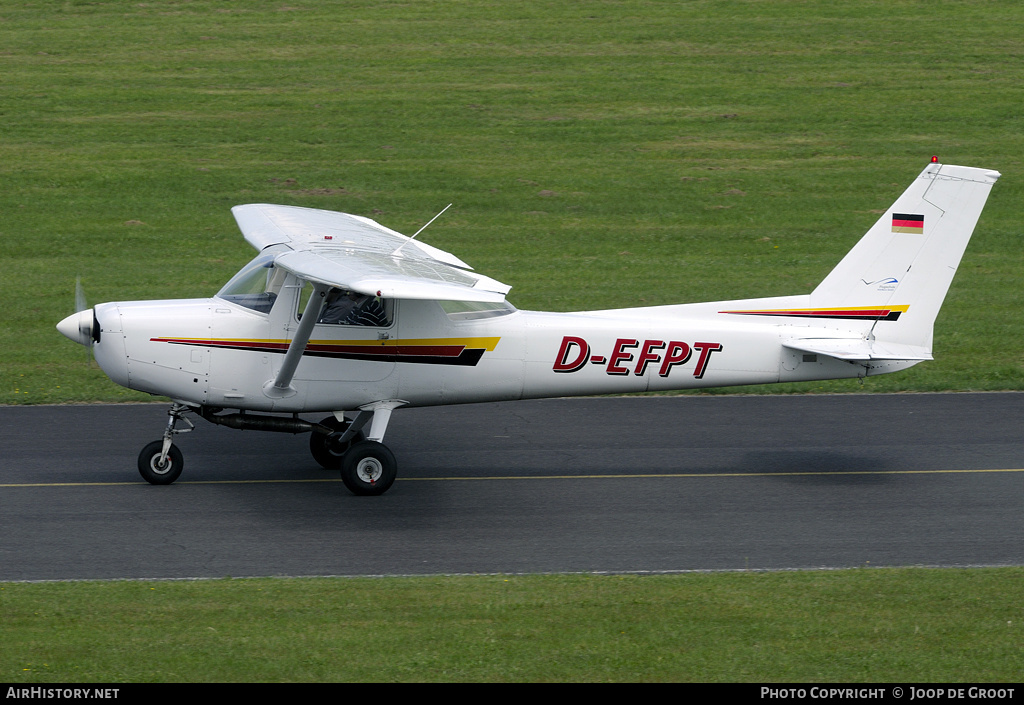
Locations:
(160, 462)
(158, 468)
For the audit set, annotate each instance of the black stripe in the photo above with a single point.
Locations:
(469, 357)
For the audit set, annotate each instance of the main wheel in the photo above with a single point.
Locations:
(326, 450)
(368, 468)
(153, 471)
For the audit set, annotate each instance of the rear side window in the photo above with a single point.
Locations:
(472, 310)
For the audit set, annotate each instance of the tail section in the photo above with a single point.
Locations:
(905, 263)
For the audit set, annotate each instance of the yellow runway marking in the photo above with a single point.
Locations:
(708, 474)
(535, 477)
(183, 482)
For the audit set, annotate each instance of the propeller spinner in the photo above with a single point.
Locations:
(81, 326)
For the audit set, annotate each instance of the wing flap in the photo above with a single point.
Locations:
(391, 277)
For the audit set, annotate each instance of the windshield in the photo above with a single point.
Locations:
(257, 284)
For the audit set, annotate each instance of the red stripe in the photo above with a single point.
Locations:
(433, 350)
(224, 343)
(859, 312)
(401, 350)
(872, 313)
(411, 350)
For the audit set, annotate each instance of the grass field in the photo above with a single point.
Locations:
(860, 625)
(599, 152)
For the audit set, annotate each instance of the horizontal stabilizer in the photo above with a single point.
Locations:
(858, 349)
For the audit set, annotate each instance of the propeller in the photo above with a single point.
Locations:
(80, 303)
(81, 326)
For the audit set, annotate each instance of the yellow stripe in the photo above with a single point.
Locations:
(901, 309)
(486, 343)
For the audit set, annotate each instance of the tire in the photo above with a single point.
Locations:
(150, 468)
(325, 451)
(368, 468)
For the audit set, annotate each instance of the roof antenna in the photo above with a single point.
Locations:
(420, 230)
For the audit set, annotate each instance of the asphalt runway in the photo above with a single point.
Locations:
(563, 485)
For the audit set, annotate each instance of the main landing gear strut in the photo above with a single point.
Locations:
(353, 447)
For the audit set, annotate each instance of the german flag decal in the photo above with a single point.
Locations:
(428, 351)
(908, 223)
(855, 313)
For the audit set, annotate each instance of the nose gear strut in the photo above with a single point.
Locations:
(160, 462)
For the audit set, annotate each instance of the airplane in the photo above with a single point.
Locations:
(341, 315)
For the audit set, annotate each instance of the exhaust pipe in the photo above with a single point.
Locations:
(260, 422)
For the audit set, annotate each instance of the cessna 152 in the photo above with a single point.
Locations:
(340, 314)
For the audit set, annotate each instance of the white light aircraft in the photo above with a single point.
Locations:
(340, 314)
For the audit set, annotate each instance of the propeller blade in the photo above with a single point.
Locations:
(80, 303)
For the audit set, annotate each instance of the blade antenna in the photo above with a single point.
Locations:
(420, 230)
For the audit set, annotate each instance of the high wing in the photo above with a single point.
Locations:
(356, 253)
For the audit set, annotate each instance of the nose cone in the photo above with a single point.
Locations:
(80, 327)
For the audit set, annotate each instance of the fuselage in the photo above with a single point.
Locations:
(216, 353)
(338, 313)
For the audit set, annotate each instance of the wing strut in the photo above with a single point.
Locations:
(281, 386)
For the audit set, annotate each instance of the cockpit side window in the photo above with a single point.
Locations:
(344, 307)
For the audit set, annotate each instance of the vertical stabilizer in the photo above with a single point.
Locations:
(906, 261)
